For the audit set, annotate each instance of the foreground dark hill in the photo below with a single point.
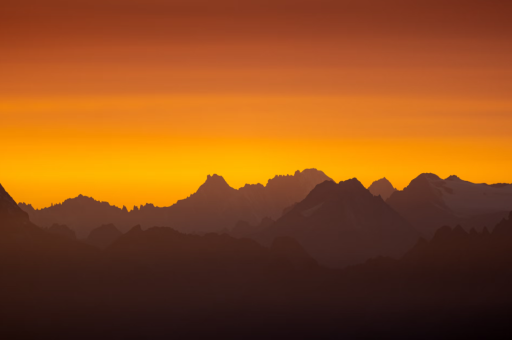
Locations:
(429, 202)
(214, 207)
(382, 188)
(342, 224)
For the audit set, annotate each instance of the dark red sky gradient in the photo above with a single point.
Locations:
(210, 36)
(255, 19)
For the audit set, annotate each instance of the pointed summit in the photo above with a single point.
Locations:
(382, 188)
(352, 184)
(215, 185)
(342, 224)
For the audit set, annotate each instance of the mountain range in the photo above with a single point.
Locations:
(342, 224)
(429, 202)
(214, 207)
(339, 224)
(159, 282)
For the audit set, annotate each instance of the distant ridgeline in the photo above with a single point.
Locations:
(214, 207)
(339, 224)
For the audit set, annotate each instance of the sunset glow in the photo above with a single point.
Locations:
(138, 103)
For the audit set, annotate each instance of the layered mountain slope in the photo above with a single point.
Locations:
(211, 255)
(214, 207)
(382, 188)
(430, 202)
(342, 224)
(83, 214)
(245, 229)
(62, 230)
(103, 236)
(281, 192)
(455, 247)
(24, 246)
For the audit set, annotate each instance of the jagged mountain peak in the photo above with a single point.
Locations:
(214, 206)
(352, 184)
(215, 183)
(343, 223)
(306, 175)
(382, 188)
(327, 189)
(429, 202)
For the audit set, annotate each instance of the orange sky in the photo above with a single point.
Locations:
(137, 101)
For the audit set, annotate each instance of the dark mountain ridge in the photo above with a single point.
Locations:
(342, 224)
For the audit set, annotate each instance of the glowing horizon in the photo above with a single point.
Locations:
(136, 102)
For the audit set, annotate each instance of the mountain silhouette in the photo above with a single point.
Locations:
(28, 251)
(382, 188)
(429, 201)
(62, 230)
(342, 224)
(457, 248)
(83, 214)
(214, 207)
(165, 248)
(162, 283)
(103, 236)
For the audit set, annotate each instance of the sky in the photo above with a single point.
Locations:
(136, 102)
